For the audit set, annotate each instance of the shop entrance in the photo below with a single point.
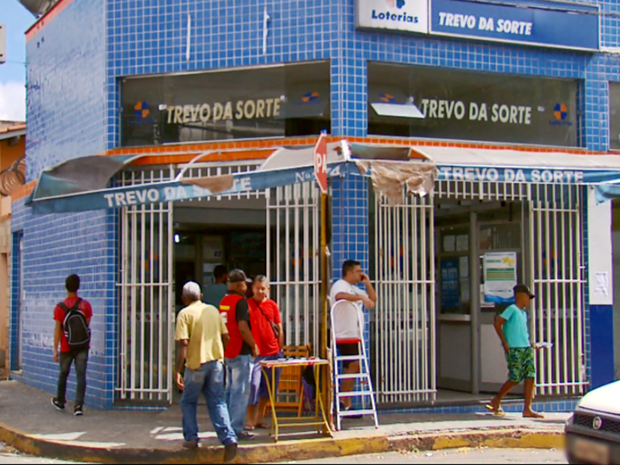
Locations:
(439, 261)
(479, 259)
(273, 232)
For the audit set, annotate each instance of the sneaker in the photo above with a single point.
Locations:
(193, 444)
(230, 452)
(245, 436)
(78, 411)
(57, 405)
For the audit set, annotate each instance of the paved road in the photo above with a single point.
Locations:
(457, 456)
(25, 459)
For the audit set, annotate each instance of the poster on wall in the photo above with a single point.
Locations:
(450, 295)
(500, 277)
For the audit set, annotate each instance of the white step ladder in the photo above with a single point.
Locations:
(347, 327)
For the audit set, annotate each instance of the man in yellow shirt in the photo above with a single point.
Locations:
(201, 337)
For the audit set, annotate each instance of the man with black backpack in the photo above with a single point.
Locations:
(73, 334)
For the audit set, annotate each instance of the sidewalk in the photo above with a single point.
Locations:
(29, 423)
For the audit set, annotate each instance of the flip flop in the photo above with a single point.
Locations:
(535, 415)
(249, 428)
(498, 413)
(263, 426)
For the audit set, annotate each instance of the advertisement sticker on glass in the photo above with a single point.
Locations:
(500, 276)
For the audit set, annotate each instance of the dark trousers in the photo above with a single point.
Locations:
(66, 358)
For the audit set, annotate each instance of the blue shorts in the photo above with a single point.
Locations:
(258, 387)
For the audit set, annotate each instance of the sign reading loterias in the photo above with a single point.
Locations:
(401, 15)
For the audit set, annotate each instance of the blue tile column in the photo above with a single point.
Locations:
(594, 130)
(602, 344)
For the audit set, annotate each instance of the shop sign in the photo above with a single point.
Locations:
(399, 15)
(525, 175)
(543, 23)
(171, 191)
(448, 104)
(226, 104)
(500, 277)
(226, 111)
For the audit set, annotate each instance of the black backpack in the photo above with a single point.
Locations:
(75, 326)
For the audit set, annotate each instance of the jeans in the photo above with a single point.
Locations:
(258, 389)
(81, 360)
(208, 380)
(238, 373)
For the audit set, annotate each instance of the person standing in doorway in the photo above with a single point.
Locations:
(240, 351)
(346, 289)
(202, 336)
(72, 333)
(215, 292)
(512, 328)
(267, 331)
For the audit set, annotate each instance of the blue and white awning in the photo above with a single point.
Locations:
(82, 184)
(517, 166)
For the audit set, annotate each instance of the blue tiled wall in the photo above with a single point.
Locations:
(66, 104)
(75, 65)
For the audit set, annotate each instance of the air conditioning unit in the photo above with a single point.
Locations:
(38, 7)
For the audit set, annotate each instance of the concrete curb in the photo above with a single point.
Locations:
(504, 438)
(287, 450)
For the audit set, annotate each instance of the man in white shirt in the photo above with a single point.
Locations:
(346, 289)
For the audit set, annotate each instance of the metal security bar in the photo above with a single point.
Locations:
(293, 260)
(147, 307)
(556, 267)
(404, 323)
(472, 190)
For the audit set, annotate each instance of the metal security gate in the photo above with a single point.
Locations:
(404, 317)
(293, 261)
(556, 270)
(147, 304)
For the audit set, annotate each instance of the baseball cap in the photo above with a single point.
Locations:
(237, 276)
(524, 289)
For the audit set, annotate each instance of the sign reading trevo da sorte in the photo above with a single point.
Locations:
(223, 111)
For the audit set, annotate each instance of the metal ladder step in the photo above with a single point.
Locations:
(349, 358)
(353, 376)
(353, 413)
(355, 394)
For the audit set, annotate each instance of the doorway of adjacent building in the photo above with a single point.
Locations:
(17, 293)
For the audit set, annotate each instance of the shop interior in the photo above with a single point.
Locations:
(231, 233)
(489, 235)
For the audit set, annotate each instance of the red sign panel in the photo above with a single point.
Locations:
(320, 163)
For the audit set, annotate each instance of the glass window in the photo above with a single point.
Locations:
(279, 101)
(614, 115)
(446, 104)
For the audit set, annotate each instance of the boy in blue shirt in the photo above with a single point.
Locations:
(511, 327)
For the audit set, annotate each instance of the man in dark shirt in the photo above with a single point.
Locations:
(240, 351)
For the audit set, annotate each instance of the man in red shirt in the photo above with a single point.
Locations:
(267, 331)
(240, 351)
(75, 353)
